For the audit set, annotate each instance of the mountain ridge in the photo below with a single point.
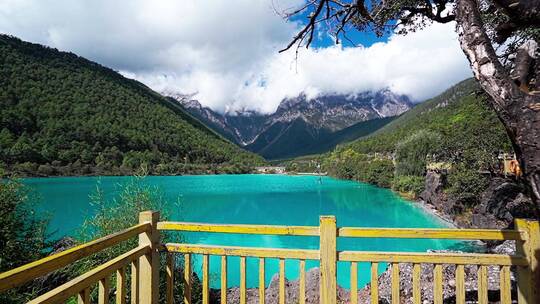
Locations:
(61, 114)
(311, 121)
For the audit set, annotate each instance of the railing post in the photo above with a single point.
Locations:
(528, 277)
(328, 252)
(149, 263)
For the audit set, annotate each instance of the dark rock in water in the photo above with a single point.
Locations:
(502, 202)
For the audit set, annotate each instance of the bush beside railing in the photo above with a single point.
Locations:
(145, 262)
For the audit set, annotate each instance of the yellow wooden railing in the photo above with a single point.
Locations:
(145, 262)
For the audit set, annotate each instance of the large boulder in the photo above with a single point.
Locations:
(434, 185)
(502, 202)
(434, 195)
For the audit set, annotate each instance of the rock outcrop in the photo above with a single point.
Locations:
(433, 193)
(500, 203)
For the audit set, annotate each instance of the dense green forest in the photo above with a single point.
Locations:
(61, 114)
(455, 130)
(298, 138)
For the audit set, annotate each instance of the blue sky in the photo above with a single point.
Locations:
(365, 39)
(358, 38)
(225, 52)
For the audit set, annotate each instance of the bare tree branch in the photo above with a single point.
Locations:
(308, 29)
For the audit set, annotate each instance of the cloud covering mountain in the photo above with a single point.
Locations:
(226, 51)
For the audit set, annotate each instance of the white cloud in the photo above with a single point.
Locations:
(226, 51)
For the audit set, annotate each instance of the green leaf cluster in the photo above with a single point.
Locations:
(23, 235)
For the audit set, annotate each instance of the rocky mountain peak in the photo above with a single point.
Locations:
(322, 114)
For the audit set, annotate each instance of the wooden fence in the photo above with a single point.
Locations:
(144, 261)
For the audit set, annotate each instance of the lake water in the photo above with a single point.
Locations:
(255, 199)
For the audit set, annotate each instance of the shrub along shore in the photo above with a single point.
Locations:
(444, 152)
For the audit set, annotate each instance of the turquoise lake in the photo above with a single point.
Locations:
(255, 199)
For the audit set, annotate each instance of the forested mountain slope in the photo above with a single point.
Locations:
(61, 114)
(455, 127)
(457, 114)
(444, 150)
(297, 138)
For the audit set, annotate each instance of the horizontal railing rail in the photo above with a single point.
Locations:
(354, 232)
(80, 285)
(278, 253)
(145, 263)
(240, 229)
(421, 233)
(328, 256)
(25, 273)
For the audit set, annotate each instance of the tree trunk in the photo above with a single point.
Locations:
(518, 110)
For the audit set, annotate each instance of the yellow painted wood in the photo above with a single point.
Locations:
(205, 280)
(463, 234)
(121, 281)
(149, 263)
(170, 278)
(223, 290)
(460, 284)
(374, 283)
(244, 251)
(417, 294)
(134, 282)
(482, 285)
(103, 293)
(25, 273)
(187, 278)
(395, 283)
(528, 278)
(84, 296)
(63, 292)
(262, 281)
(302, 282)
(243, 229)
(437, 284)
(505, 285)
(415, 233)
(431, 257)
(328, 261)
(281, 281)
(145, 269)
(354, 283)
(243, 296)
